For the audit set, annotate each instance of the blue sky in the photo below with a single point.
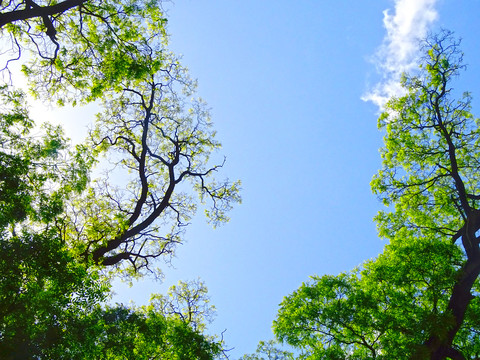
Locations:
(285, 81)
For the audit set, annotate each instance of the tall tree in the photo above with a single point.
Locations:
(160, 141)
(433, 140)
(152, 131)
(419, 298)
(52, 303)
(59, 228)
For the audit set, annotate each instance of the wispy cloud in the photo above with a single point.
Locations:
(408, 24)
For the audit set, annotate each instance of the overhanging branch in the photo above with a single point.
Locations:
(38, 11)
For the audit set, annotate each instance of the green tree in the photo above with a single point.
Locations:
(152, 132)
(161, 141)
(146, 332)
(52, 303)
(60, 229)
(76, 36)
(188, 302)
(418, 299)
(42, 287)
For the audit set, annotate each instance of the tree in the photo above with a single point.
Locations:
(146, 332)
(52, 304)
(419, 298)
(437, 196)
(151, 128)
(61, 230)
(152, 131)
(42, 287)
(187, 301)
(162, 143)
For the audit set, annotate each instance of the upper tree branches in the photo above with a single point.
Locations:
(430, 173)
(157, 138)
(159, 142)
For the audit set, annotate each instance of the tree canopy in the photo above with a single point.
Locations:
(71, 217)
(419, 298)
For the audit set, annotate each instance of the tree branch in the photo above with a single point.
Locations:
(38, 11)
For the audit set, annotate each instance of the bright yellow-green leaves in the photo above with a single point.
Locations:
(383, 311)
(152, 142)
(186, 301)
(423, 129)
(102, 44)
(330, 317)
(269, 351)
(158, 138)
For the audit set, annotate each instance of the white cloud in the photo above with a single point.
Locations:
(409, 24)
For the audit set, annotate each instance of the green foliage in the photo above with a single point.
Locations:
(89, 47)
(385, 311)
(418, 299)
(188, 302)
(160, 143)
(333, 315)
(43, 292)
(106, 44)
(35, 178)
(42, 286)
(425, 130)
(138, 333)
(60, 231)
(151, 131)
(268, 351)
(50, 308)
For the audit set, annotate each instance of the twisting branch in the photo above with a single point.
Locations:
(167, 147)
